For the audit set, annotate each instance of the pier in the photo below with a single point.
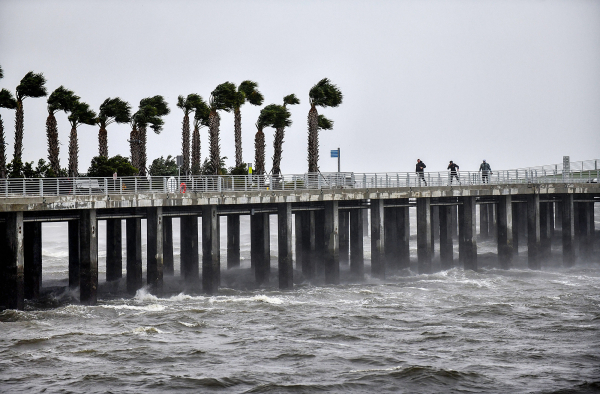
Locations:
(515, 207)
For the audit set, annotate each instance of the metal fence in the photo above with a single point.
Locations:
(581, 172)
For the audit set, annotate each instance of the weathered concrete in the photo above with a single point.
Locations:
(344, 236)
(568, 229)
(319, 243)
(424, 235)
(211, 255)
(114, 250)
(133, 230)
(515, 228)
(505, 232)
(357, 262)
(73, 235)
(467, 233)
(260, 249)
(435, 227)
(446, 244)
(154, 222)
(484, 222)
(533, 231)
(403, 231)
(308, 244)
(284, 245)
(586, 229)
(545, 235)
(189, 259)
(13, 262)
(233, 241)
(493, 221)
(32, 241)
(391, 236)
(88, 257)
(454, 213)
(298, 240)
(331, 242)
(168, 263)
(377, 239)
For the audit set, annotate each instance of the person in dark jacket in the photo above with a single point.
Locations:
(419, 170)
(486, 170)
(453, 167)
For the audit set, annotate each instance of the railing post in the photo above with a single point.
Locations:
(23, 186)
(57, 187)
(135, 185)
(120, 185)
(41, 187)
(219, 183)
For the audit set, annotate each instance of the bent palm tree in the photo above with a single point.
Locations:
(111, 111)
(247, 92)
(323, 94)
(280, 124)
(265, 119)
(161, 108)
(221, 99)
(201, 115)
(81, 113)
(6, 101)
(32, 85)
(61, 99)
(187, 104)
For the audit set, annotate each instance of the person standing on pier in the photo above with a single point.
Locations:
(419, 170)
(486, 170)
(453, 167)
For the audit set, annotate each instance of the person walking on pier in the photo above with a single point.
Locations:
(419, 170)
(486, 170)
(453, 167)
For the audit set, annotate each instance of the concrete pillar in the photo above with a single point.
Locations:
(523, 221)
(484, 221)
(391, 236)
(260, 249)
(32, 255)
(435, 227)
(233, 241)
(154, 233)
(377, 239)
(13, 262)
(133, 230)
(558, 215)
(467, 233)
(331, 243)
(454, 213)
(189, 261)
(568, 230)
(493, 222)
(586, 224)
(284, 245)
(545, 240)
(308, 244)
(505, 232)
(533, 231)
(357, 262)
(446, 246)
(515, 228)
(319, 243)
(551, 219)
(73, 234)
(88, 257)
(365, 213)
(424, 235)
(168, 263)
(344, 219)
(211, 255)
(403, 232)
(298, 239)
(114, 250)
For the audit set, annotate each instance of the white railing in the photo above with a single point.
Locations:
(40, 187)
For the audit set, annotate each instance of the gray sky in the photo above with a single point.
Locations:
(513, 82)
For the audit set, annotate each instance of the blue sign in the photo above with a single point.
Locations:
(335, 153)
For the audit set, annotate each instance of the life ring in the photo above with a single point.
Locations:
(182, 187)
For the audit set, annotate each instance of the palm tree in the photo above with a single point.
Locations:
(323, 94)
(32, 85)
(266, 118)
(6, 101)
(81, 113)
(61, 99)
(111, 111)
(201, 115)
(280, 124)
(187, 104)
(221, 99)
(247, 92)
(161, 108)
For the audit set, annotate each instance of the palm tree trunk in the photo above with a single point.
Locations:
(53, 147)
(185, 143)
(238, 136)
(259, 152)
(19, 131)
(313, 140)
(2, 151)
(277, 150)
(133, 144)
(73, 153)
(196, 151)
(142, 150)
(214, 121)
(103, 142)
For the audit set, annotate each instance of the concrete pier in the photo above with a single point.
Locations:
(13, 262)
(391, 237)
(154, 220)
(568, 229)
(515, 228)
(168, 263)
(533, 231)
(505, 232)
(403, 232)
(484, 222)
(189, 260)
(308, 244)
(344, 220)
(233, 241)
(32, 241)
(114, 250)
(284, 246)
(446, 243)
(260, 249)
(319, 243)
(298, 239)
(88, 256)
(377, 239)
(545, 230)
(467, 233)
(331, 243)
(357, 262)
(133, 230)
(73, 235)
(211, 255)
(424, 252)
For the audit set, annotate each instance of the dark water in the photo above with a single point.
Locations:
(458, 331)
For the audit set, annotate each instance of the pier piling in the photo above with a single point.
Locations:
(357, 262)
(284, 243)
(331, 243)
(32, 255)
(533, 231)
(114, 252)
(467, 233)
(377, 239)
(133, 230)
(189, 260)
(88, 256)
(424, 251)
(505, 232)
(155, 249)
(211, 259)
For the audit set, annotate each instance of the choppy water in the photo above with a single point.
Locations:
(491, 331)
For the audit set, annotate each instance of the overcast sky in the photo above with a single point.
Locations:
(513, 82)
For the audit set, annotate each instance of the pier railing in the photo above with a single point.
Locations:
(580, 172)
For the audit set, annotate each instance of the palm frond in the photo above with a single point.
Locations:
(1, 73)
(202, 113)
(114, 110)
(253, 95)
(81, 113)
(32, 85)
(7, 100)
(62, 99)
(158, 102)
(223, 97)
(291, 99)
(325, 94)
(324, 123)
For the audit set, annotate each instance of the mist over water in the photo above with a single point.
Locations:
(492, 331)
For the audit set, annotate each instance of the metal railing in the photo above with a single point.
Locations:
(589, 172)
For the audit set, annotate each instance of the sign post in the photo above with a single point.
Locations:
(336, 153)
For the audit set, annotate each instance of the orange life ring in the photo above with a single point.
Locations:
(182, 187)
